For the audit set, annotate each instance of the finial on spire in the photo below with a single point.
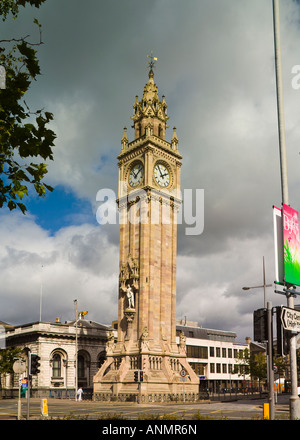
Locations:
(151, 63)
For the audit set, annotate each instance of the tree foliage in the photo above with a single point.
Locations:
(8, 357)
(253, 364)
(13, 6)
(24, 134)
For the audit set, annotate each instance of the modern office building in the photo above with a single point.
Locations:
(213, 355)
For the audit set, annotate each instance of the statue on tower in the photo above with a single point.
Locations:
(130, 297)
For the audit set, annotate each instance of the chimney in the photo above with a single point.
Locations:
(57, 320)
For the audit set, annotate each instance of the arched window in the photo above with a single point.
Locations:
(56, 365)
(81, 371)
(101, 359)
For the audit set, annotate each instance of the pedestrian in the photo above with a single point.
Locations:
(79, 393)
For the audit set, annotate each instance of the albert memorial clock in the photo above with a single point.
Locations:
(148, 202)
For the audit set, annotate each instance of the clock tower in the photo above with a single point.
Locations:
(148, 202)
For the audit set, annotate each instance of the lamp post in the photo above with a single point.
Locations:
(270, 373)
(263, 286)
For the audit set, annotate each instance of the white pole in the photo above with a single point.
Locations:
(280, 107)
(41, 294)
(270, 362)
(264, 277)
(76, 343)
(19, 399)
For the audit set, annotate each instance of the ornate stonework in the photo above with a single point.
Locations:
(148, 201)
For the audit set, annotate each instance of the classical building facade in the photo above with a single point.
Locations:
(148, 201)
(55, 344)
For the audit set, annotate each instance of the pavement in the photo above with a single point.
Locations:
(242, 407)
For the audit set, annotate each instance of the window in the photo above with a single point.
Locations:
(235, 353)
(218, 352)
(212, 368)
(212, 351)
(191, 334)
(230, 368)
(224, 368)
(193, 351)
(224, 352)
(81, 367)
(230, 352)
(56, 365)
(218, 368)
(198, 368)
(101, 359)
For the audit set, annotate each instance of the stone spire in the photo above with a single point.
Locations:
(150, 113)
(174, 140)
(124, 140)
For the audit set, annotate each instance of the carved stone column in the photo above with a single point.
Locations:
(129, 315)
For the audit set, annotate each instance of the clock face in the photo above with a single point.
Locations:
(136, 175)
(161, 175)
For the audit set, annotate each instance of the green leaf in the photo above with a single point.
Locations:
(35, 21)
(11, 204)
(22, 207)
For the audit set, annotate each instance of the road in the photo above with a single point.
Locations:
(69, 409)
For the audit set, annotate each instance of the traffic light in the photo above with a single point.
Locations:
(139, 376)
(282, 335)
(260, 324)
(34, 364)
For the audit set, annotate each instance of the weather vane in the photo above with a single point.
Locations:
(151, 63)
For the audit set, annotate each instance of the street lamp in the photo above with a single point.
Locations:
(264, 284)
(270, 373)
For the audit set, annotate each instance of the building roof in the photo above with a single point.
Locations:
(6, 326)
(84, 323)
(205, 333)
(32, 331)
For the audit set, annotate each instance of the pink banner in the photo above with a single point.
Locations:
(291, 245)
(278, 245)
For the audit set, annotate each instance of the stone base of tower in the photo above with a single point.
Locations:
(162, 379)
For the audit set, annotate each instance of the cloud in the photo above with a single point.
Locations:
(76, 263)
(81, 160)
(209, 286)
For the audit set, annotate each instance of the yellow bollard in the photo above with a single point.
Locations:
(266, 411)
(44, 407)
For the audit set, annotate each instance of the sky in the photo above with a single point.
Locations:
(216, 69)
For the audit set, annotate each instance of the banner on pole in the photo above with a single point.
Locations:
(291, 245)
(278, 244)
